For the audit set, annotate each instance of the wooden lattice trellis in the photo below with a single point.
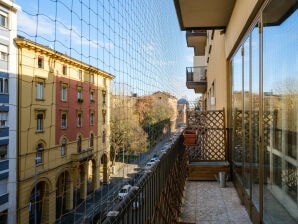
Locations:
(211, 143)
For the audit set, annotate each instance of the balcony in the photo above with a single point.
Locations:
(196, 78)
(201, 14)
(83, 155)
(198, 40)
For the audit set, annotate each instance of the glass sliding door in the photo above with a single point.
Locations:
(280, 111)
(237, 115)
(246, 115)
(255, 113)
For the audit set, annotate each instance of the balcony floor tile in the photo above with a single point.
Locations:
(205, 202)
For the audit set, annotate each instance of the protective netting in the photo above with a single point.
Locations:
(139, 42)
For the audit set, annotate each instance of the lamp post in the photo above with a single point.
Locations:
(35, 191)
(123, 154)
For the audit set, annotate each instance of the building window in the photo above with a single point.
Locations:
(79, 144)
(80, 95)
(103, 97)
(103, 116)
(3, 86)
(79, 120)
(39, 90)
(3, 186)
(4, 217)
(39, 127)
(64, 70)
(91, 77)
(91, 140)
(3, 52)
(3, 152)
(103, 136)
(3, 119)
(63, 147)
(40, 62)
(3, 19)
(39, 153)
(92, 96)
(64, 93)
(64, 121)
(80, 74)
(92, 118)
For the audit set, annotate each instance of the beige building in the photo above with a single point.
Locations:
(170, 100)
(63, 137)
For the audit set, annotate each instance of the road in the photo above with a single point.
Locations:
(104, 199)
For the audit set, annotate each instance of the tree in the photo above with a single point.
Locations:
(126, 132)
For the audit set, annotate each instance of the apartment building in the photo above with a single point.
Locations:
(63, 146)
(245, 61)
(165, 98)
(8, 111)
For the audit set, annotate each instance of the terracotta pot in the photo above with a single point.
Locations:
(190, 137)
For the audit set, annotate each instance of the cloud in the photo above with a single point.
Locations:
(163, 63)
(150, 49)
(28, 24)
(78, 39)
(46, 28)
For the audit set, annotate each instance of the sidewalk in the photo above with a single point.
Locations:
(205, 202)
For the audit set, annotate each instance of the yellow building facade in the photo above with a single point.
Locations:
(63, 146)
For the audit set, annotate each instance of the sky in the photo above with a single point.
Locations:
(138, 41)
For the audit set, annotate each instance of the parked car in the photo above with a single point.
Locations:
(149, 165)
(124, 191)
(153, 160)
(155, 156)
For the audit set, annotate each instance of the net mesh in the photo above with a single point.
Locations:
(139, 42)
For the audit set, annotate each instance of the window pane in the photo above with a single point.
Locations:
(280, 97)
(39, 90)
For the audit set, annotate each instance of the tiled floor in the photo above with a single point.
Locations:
(205, 202)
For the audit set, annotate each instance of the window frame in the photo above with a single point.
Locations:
(3, 19)
(64, 93)
(3, 151)
(40, 62)
(39, 90)
(39, 122)
(64, 121)
(2, 115)
(4, 85)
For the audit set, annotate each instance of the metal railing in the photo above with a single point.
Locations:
(158, 192)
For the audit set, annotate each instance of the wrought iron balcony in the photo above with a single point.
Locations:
(196, 78)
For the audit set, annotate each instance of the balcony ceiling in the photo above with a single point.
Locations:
(203, 14)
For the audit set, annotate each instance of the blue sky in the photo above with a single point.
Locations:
(138, 41)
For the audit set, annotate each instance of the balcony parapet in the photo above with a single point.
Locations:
(196, 78)
(83, 155)
(198, 40)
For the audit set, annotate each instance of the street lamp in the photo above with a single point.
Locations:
(36, 160)
(35, 190)
(123, 155)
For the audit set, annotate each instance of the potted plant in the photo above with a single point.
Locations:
(190, 137)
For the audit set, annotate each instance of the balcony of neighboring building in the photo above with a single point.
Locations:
(82, 155)
(198, 40)
(196, 78)
(204, 15)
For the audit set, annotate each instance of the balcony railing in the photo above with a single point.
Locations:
(196, 78)
(82, 155)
